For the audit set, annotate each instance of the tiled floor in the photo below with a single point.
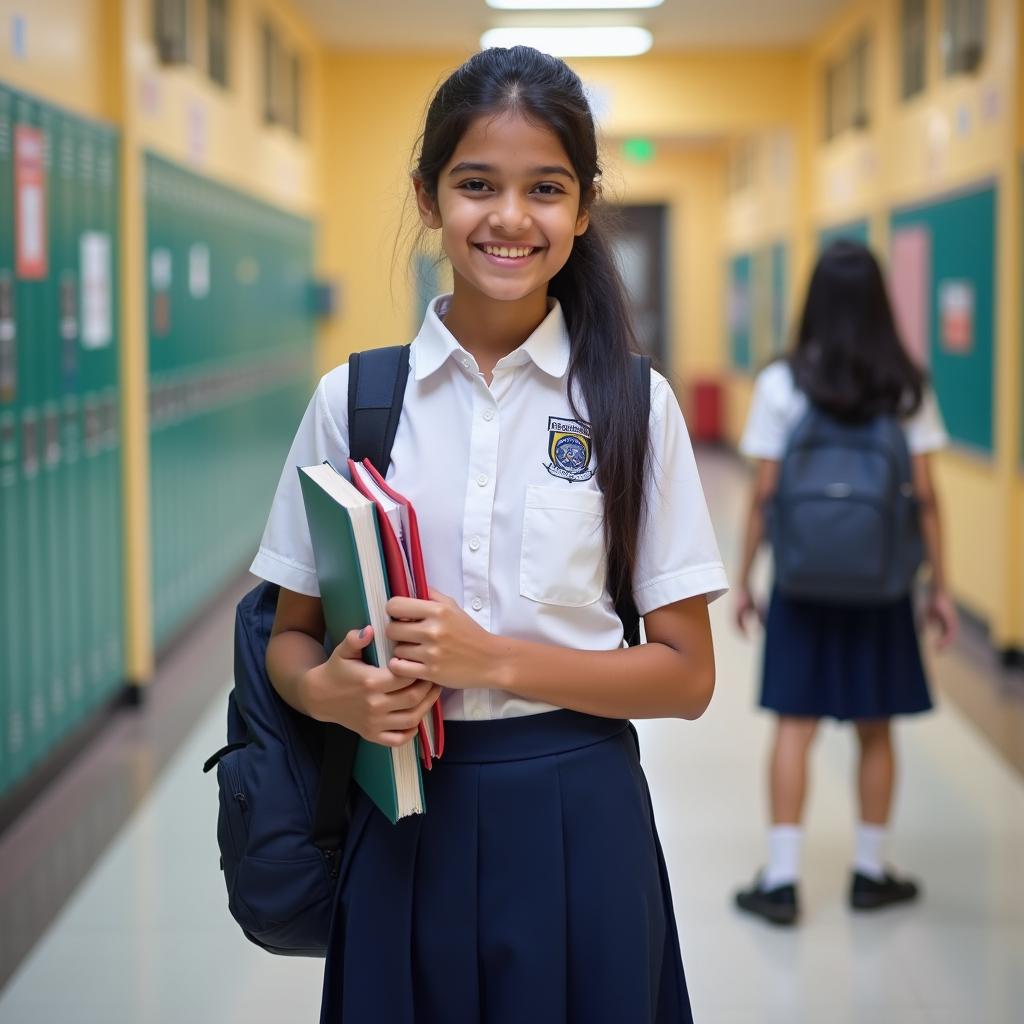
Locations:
(146, 938)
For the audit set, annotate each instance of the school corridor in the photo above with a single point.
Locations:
(144, 937)
(205, 206)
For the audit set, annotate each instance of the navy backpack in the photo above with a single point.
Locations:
(284, 778)
(843, 521)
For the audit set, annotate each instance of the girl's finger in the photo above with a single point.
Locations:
(407, 669)
(408, 608)
(395, 737)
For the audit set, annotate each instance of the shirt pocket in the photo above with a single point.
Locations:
(563, 559)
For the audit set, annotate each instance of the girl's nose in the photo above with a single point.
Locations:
(510, 215)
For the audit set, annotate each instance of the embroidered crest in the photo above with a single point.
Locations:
(569, 449)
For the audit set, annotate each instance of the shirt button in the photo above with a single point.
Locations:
(489, 415)
(477, 604)
(474, 544)
(465, 361)
(482, 479)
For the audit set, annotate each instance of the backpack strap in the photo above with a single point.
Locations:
(626, 608)
(376, 388)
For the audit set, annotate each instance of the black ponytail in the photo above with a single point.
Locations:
(589, 287)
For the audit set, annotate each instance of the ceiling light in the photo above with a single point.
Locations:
(585, 41)
(570, 5)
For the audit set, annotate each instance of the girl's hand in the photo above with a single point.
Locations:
(381, 707)
(746, 607)
(941, 611)
(437, 640)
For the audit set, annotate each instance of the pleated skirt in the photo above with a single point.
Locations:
(842, 662)
(533, 891)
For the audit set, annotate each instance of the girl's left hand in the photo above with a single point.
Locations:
(438, 641)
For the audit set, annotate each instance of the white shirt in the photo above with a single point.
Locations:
(509, 530)
(778, 405)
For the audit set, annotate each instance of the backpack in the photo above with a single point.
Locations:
(843, 522)
(283, 778)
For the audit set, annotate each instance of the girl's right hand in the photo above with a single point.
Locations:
(940, 611)
(746, 607)
(371, 701)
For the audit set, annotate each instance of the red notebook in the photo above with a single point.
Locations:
(407, 577)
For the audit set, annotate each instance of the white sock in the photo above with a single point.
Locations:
(783, 856)
(867, 857)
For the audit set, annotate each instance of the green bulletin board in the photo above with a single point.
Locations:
(961, 315)
(739, 312)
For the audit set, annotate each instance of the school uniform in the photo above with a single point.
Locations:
(843, 662)
(534, 887)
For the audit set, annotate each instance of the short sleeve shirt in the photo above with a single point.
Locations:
(778, 405)
(503, 481)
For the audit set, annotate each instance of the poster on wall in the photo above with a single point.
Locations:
(29, 204)
(199, 270)
(956, 315)
(97, 289)
(910, 284)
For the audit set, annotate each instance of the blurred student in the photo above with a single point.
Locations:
(855, 661)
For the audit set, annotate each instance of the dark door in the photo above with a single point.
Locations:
(640, 251)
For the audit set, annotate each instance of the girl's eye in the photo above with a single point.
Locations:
(547, 188)
(474, 185)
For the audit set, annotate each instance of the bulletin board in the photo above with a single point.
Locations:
(960, 316)
(779, 258)
(740, 303)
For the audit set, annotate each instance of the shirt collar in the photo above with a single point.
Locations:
(547, 347)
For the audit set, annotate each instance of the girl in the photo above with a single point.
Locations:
(850, 663)
(534, 887)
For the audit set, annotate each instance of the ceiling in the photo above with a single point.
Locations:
(458, 24)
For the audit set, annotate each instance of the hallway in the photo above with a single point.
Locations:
(146, 938)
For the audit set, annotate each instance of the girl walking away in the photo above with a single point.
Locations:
(852, 660)
(534, 887)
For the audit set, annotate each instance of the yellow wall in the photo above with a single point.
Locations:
(912, 151)
(64, 41)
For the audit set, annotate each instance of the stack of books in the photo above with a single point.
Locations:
(367, 550)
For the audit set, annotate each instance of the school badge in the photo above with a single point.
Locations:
(569, 449)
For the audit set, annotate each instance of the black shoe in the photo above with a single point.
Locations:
(867, 893)
(778, 905)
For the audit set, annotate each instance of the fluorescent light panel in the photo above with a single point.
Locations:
(584, 41)
(571, 5)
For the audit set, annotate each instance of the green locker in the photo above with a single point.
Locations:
(220, 373)
(30, 703)
(9, 492)
(47, 344)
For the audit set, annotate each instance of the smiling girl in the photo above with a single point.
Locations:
(534, 888)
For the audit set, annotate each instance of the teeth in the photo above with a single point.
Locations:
(514, 252)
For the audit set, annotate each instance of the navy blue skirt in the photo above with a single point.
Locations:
(533, 890)
(842, 662)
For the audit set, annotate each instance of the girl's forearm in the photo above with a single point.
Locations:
(752, 538)
(291, 655)
(663, 683)
(931, 532)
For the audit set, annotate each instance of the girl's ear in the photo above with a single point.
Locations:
(426, 205)
(583, 217)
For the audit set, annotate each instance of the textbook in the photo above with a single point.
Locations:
(350, 568)
(407, 575)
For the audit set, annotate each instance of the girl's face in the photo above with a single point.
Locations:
(508, 206)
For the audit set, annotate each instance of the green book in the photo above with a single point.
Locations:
(353, 589)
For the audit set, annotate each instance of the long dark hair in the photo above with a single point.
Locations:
(546, 91)
(848, 358)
